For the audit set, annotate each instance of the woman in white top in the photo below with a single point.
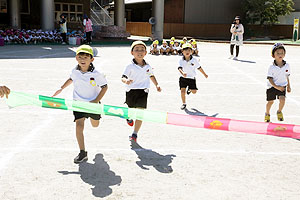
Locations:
(237, 30)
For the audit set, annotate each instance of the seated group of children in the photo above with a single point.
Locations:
(174, 47)
(22, 36)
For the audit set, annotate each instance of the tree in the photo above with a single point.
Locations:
(266, 12)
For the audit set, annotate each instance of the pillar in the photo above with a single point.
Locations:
(14, 10)
(158, 13)
(47, 15)
(119, 13)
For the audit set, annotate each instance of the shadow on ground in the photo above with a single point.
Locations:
(98, 175)
(151, 158)
(196, 112)
(246, 61)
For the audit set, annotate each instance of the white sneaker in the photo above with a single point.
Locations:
(230, 57)
(183, 106)
(235, 58)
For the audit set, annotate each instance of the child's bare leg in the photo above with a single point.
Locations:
(194, 91)
(137, 126)
(79, 133)
(268, 107)
(183, 91)
(95, 123)
(281, 103)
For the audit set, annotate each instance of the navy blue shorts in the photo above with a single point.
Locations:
(136, 98)
(272, 93)
(187, 82)
(79, 115)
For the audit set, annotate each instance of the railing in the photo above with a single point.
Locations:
(100, 16)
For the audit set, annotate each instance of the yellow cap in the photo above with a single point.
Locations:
(186, 45)
(172, 38)
(172, 42)
(137, 43)
(155, 42)
(194, 42)
(85, 49)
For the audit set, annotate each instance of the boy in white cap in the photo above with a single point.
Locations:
(164, 48)
(278, 81)
(187, 69)
(89, 86)
(137, 76)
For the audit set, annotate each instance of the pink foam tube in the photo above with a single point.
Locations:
(275, 129)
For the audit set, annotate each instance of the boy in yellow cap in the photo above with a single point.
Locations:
(194, 48)
(171, 47)
(154, 49)
(89, 86)
(137, 76)
(187, 69)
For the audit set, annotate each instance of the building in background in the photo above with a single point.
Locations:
(34, 14)
(209, 19)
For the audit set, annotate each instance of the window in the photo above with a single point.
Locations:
(74, 12)
(3, 6)
(24, 7)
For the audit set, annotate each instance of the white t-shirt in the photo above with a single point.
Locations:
(140, 76)
(164, 47)
(189, 67)
(177, 48)
(87, 85)
(152, 47)
(279, 75)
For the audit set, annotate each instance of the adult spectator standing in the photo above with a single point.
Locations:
(63, 28)
(237, 30)
(88, 29)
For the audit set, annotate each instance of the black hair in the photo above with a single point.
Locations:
(237, 18)
(85, 54)
(276, 48)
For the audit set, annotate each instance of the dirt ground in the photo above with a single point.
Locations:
(38, 145)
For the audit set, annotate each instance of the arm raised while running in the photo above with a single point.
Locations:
(66, 84)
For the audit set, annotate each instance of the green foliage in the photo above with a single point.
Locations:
(266, 11)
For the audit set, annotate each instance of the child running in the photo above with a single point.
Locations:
(89, 86)
(278, 81)
(187, 68)
(137, 78)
